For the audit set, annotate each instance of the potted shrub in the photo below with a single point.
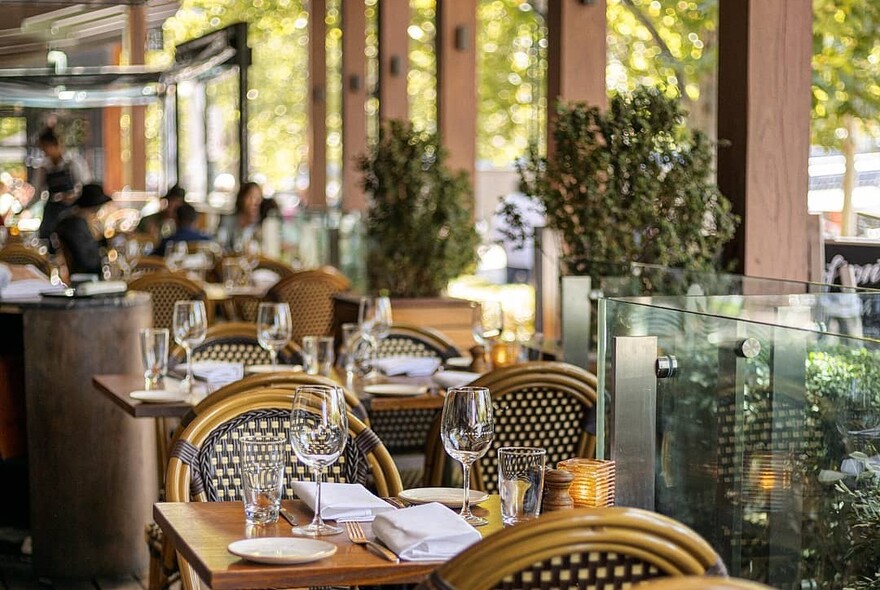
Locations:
(420, 230)
(630, 184)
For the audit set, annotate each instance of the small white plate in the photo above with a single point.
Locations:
(395, 389)
(459, 362)
(254, 369)
(282, 550)
(159, 396)
(447, 496)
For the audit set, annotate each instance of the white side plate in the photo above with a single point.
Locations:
(448, 496)
(159, 396)
(281, 550)
(395, 389)
(253, 369)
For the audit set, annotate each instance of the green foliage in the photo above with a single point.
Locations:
(846, 66)
(628, 185)
(419, 227)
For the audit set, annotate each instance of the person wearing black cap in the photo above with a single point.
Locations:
(161, 224)
(73, 234)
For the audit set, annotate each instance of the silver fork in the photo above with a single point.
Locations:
(356, 535)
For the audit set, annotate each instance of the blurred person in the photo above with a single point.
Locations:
(163, 222)
(75, 232)
(186, 231)
(58, 180)
(244, 224)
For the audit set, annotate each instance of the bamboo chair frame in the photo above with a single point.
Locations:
(574, 381)
(659, 541)
(312, 316)
(434, 340)
(163, 310)
(20, 254)
(215, 413)
(700, 583)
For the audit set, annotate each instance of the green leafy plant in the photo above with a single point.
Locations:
(630, 184)
(420, 230)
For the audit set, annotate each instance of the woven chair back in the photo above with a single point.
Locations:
(583, 548)
(21, 254)
(144, 265)
(236, 342)
(537, 404)
(407, 340)
(166, 289)
(310, 296)
(204, 464)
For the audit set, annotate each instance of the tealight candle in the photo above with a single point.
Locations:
(593, 484)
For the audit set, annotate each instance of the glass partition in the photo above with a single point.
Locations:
(755, 420)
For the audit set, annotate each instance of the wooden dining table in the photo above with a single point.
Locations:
(202, 531)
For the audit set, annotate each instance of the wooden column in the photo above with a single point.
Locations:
(354, 98)
(317, 105)
(576, 55)
(457, 82)
(137, 39)
(393, 59)
(764, 79)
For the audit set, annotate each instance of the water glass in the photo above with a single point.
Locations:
(318, 355)
(318, 434)
(466, 428)
(261, 459)
(154, 352)
(521, 482)
(350, 336)
(233, 272)
(487, 322)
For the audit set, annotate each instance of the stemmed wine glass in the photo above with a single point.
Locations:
(374, 319)
(190, 323)
(487, 322)
(318, 432)
(467, 428)
(274, 328)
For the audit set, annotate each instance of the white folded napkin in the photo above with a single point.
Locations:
(217, 373)
(342, 501)
(28, 288)
(429, 532)
(264, 278)
(102, 288)
(447, 379)
(413, 366)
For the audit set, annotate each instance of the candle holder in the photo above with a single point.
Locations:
(593, 484)
(504, 354)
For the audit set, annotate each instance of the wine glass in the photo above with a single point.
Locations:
(374, 319)
(175, 255)
(274, 328)
(467, 428)
(318, 432)
(190, 323)
(487, 322)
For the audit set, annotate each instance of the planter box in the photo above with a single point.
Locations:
(452, 317)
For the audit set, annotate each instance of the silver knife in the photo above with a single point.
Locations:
(288, 515)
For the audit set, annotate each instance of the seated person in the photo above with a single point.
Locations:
(186, 231)
(162, 223)
(73, 232)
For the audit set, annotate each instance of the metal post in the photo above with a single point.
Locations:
(576, 318)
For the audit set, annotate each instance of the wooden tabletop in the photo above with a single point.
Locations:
(118, 387)
(201, 532)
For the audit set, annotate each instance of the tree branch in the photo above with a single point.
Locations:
(674, 63)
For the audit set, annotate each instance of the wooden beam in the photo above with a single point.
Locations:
(576, 55)
(354, 99)
(137, 39)
(764, 81)
(394, 16)
(457, 82)
(318, 105)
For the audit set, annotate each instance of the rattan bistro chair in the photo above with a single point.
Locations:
(584, 548)
(310, 296)
(203, 465)
(236, 342)
(700, 583)
(144, 265)
(540, 404)
(407, 340)
(21, 254)
(166, 289)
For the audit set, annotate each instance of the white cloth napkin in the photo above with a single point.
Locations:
(430, 532)
(447, 379)
(217, 373)
(264, 278)
(102, 288)
(342, 501)
(413, 366)
(28, 288)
